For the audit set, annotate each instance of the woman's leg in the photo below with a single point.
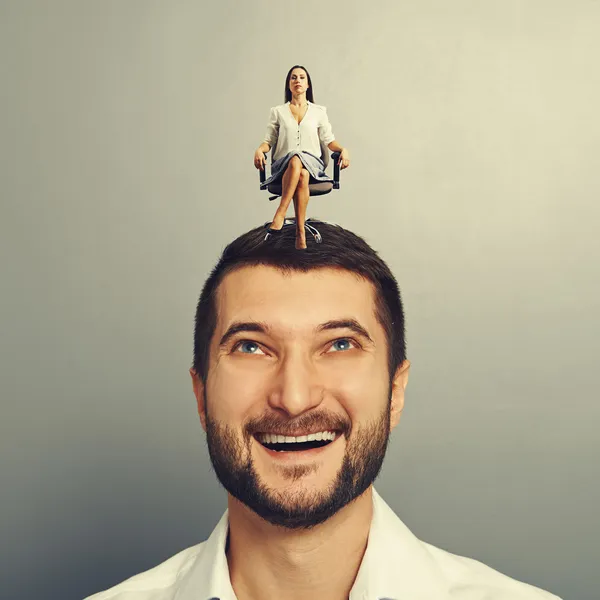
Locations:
(300, 204)
(290, 182)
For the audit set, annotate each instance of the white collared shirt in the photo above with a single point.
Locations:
(285, 135)
(396, 566)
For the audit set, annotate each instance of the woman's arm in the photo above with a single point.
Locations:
(344, 155)
(269, 141)
(326, 136)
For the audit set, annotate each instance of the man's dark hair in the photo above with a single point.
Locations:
(339, 249)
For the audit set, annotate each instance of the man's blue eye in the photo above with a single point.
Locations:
(343, 342)
(248, 344)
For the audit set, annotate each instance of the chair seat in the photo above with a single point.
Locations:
(315, 189)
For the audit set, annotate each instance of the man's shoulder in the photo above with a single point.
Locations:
(157, 583)
(407, 563)
(468, 578)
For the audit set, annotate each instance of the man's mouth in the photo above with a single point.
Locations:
(290, 443)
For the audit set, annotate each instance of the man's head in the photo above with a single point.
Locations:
(299, 371)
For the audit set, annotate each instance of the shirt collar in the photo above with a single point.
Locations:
(208, 579)
(396, 564)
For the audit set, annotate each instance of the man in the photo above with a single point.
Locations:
(299, 374)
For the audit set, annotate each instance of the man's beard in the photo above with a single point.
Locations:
(232, 461)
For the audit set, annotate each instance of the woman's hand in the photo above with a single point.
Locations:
(344, 159)
(259, 159)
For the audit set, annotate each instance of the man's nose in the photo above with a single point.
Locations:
(297, 387)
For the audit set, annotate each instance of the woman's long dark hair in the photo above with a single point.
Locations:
(288, 92)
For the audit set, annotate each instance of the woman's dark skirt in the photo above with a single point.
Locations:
(311, 163)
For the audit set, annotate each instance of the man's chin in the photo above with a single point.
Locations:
(297, 496)
(298, 509)
(296, 504)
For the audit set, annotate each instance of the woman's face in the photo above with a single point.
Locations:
(298, 81)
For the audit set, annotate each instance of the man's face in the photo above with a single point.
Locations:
(298, 403)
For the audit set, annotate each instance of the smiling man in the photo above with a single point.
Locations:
(299, 374)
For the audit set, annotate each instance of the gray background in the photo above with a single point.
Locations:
(127, 131)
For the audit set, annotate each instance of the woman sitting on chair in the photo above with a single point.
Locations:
(296, 131)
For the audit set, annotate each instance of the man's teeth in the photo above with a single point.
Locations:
(273, 438)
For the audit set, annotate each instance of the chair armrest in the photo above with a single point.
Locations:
(262, 173)
(335, 157)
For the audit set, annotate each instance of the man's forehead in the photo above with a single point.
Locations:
(265, 292)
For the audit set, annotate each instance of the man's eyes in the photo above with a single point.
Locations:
(246, 343)
(345, 342)
(250, 347)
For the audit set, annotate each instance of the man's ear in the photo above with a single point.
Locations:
(398, 388)
(198, 387)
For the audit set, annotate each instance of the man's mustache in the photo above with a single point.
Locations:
(318, 421)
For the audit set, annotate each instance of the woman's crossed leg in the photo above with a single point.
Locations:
(295, 186)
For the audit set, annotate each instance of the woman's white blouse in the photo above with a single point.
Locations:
(284, 134)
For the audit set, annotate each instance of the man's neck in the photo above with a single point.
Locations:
(268, 562)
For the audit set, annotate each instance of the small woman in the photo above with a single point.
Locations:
(296, 131)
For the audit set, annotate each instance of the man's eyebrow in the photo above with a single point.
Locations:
(239, 326)
(260, 327)
(352, 324)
